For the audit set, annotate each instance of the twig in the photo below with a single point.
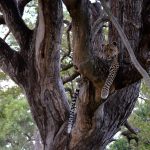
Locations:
(126, 43)
(145, 99)
(6, 35)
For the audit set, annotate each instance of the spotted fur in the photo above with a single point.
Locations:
(111, 53)
(72, 111)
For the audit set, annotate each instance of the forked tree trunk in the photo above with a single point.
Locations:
(38, 71)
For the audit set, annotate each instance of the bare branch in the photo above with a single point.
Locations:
(98, 25)
(21, 4)
(130, 128)
(69, 90)
(68, 42)
(14, 21)
(145, 99)
(66, 22)
(130, 136)
(70, 78)
(6, 53)
(11, 62)
(6, 35)
(126, 43)
(66, 67)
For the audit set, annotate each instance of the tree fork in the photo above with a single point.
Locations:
(95, 124)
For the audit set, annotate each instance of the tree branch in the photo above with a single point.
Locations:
(127, 44)
(66, 67)
(142, 98)
(22, 4)
(14, 22)
(70, 4)
(69, 90)
(6, 35)
(130, 128)
(68, 42)
(70, 78)
(11, 61)
(98, 24)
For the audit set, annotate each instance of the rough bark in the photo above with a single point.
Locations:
(36, 68)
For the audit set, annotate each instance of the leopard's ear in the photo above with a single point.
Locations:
(114, 43)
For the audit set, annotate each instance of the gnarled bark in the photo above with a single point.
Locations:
(36, 68)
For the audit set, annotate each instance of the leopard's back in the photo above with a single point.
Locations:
(110, 53)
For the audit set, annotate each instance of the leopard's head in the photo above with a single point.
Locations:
(110, 50)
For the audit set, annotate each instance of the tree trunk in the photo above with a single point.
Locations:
(36, 68)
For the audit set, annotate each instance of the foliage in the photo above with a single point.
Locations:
(140, 119)
(17, 127)
(120, 144)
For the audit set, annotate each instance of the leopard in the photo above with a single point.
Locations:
(110, 53)
(72, 110)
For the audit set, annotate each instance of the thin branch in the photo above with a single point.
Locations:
(130, 128)
(6, 53)
(14, 21)
(130, 136)
(145, 99)
(68, 42)
(11, 61)
(126, 43)
(21, 4)
(66, 67)
(70, 78)
(66, 22)
(69, 90)
(98, 25)
(29, 138)
(6, 35)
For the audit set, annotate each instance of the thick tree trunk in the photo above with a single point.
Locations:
(45, 91)
(36, 69)
(96, 125)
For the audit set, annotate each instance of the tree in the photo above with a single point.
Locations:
(140, 120)
(36, 68)
(17, 127)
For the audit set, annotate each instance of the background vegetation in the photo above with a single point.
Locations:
(18, 131)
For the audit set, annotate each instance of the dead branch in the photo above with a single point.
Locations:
(6, 35)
